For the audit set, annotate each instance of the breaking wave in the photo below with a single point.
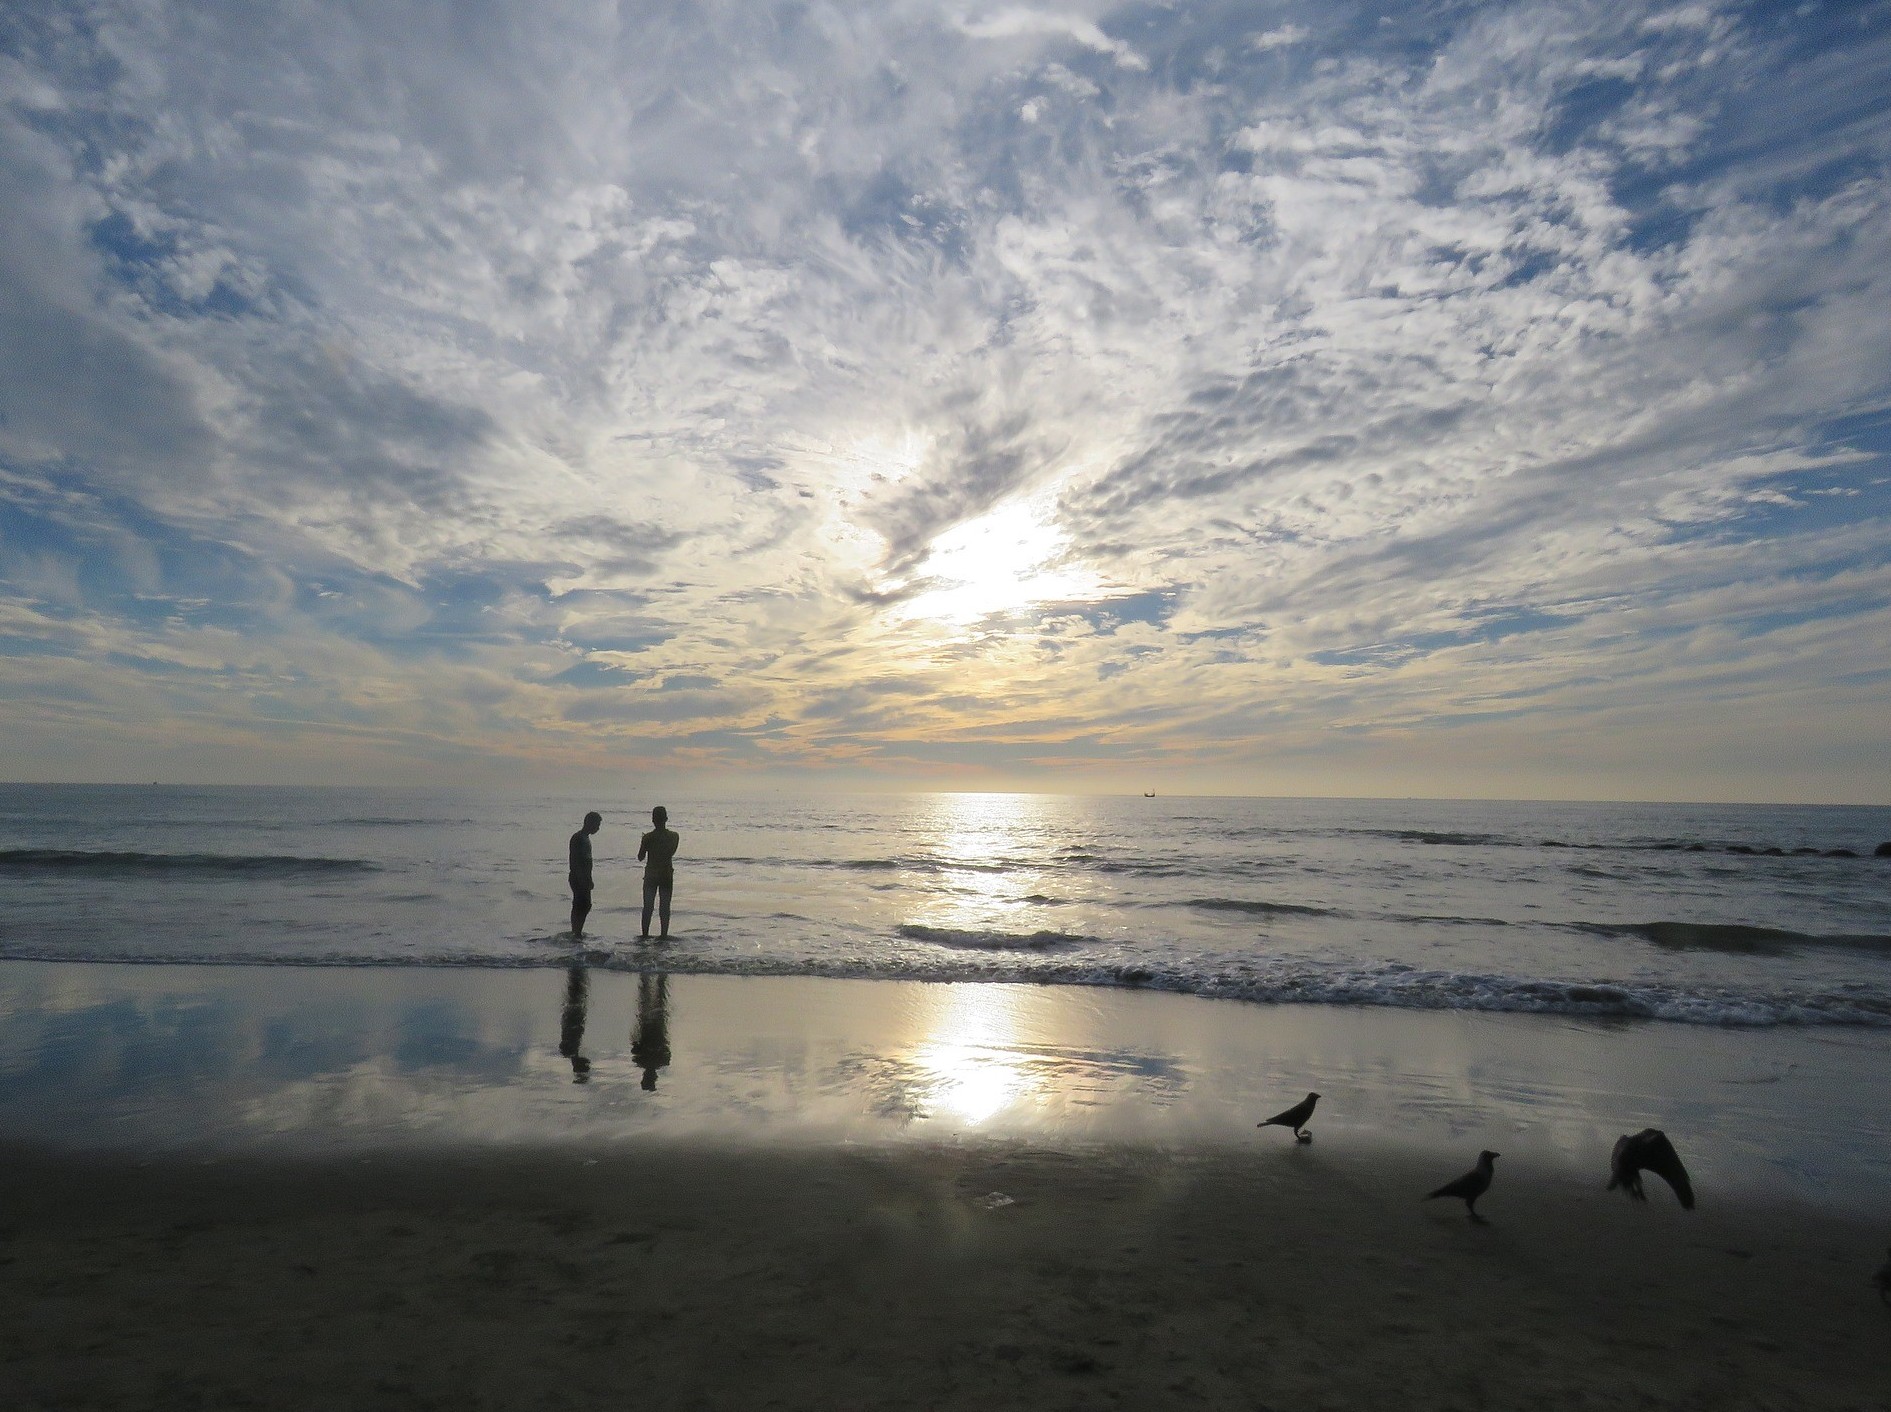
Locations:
(68, 861)
(1729, 937)
(974, 939)
(1239, 904)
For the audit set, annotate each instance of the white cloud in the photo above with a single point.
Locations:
(702, 344)
(1283, 38)
(1019, 22)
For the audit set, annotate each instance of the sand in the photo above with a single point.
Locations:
(971, 1274)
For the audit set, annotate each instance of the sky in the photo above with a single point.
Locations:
(1486, 400)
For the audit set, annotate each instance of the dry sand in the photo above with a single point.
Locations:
(685, 1276)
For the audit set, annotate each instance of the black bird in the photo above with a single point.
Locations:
(1883, 1278)
(1471, 1185)
(1295, 1118)
(1648, 1151)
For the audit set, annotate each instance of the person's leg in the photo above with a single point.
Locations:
(663, 892)
(580, 909)
(649, 901)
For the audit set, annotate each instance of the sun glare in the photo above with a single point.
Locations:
(970, 1060)
(1000, 562)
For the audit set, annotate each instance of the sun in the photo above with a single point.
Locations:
(1008, 559)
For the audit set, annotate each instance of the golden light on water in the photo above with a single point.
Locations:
(972, 1063)
(970, 1066)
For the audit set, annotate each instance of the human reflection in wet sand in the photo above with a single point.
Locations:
(571, 1021)
(650, 1037)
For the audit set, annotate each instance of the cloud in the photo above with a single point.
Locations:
(458, 386)
(1282, 38)
(1019, 22)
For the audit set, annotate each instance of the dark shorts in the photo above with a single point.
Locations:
(580, 894)
(654, 888)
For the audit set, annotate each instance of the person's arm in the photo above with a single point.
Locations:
(643, 845)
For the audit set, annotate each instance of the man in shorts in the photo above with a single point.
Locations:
(657, 850)
(581, 873)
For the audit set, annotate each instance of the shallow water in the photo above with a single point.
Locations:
(1745, 915)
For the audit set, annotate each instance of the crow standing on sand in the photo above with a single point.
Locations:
(1648, 1151)
(1294, 1118)
(1471, 1185)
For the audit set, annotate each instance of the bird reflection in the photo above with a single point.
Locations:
(571, 1021)
(650, 1036)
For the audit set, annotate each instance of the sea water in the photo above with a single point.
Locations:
(1755, 915)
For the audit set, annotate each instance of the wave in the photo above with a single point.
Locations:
(974, 939)
(378, 821)
(1729, 937)
(1023, 959)
(61, 862)
(1441, 838)
(1446, 839)
(1237, 904)
(1396, 986)
(874, 865)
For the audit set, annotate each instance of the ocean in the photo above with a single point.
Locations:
(1748, 915)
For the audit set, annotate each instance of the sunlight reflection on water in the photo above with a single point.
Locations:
(155, 1058)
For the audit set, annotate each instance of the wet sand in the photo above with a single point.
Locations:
(966, 1275)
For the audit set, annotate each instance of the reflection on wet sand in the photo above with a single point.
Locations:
(969, 1065)
(175, 1057)
(977, 1061)
(571, 1020)
(650, 1036)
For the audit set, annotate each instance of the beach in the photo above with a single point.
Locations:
(352, 1188)
(692, 1277)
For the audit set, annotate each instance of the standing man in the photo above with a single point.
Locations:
(581, 873)
(657, 849)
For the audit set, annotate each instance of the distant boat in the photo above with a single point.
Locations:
(1148, 794)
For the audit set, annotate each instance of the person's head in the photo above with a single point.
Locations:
(593, 822)
(659, 816)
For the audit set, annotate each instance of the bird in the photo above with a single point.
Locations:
(1294, 1118)
(1883, 1278)
(1471, 1185)
(1648, 1151)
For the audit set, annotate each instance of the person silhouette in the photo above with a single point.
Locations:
(580, 878)
(571, 1021)
(658, 849)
